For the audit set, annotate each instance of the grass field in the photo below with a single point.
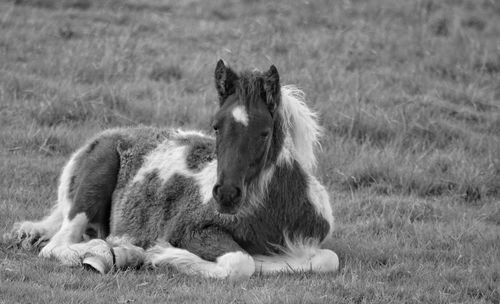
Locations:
(408, 93)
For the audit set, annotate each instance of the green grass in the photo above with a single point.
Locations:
(408, 93)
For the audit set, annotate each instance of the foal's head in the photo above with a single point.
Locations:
(248, 131)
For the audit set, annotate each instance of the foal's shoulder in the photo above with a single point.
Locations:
(200, 148)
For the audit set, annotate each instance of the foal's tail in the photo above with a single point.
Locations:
(36, 233)
(30, 234)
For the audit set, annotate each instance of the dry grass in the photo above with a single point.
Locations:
(407, 91)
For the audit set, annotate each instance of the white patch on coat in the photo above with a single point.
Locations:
(301, 128)
(240, 115)
(257, 191)
(206, 180)
(64, 202)
(168, 158)
(320, 200)
(235, 266)
(188, 133)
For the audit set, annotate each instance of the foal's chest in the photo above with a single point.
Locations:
(286, 215)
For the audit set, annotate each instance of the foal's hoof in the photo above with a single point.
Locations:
(239, 266)
(96, 263)
(325, 261)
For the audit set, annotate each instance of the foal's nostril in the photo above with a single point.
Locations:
(236, 193)
(226, 194)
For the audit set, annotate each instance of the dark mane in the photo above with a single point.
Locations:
(250, 87)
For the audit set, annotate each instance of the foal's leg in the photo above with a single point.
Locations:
(209, 253)
(71, 232)
(115, 252)
(299, 259)
(86, 194)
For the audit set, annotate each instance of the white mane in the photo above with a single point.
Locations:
(301, 128)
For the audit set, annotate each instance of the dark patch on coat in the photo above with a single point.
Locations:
(201, 151)
(287, 208)
(277, 141)
(209, 243)
(135, 148)
(139, 214)
(92, 185)
(96, 170)
(151, 209)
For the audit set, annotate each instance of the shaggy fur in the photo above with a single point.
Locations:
(148, 191)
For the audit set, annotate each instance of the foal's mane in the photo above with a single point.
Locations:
(301, 131)
(301, 127)
(300, 123)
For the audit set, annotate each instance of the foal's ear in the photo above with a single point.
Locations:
(224, 80)
(272, 88)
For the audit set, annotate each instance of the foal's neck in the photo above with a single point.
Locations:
(286, 186)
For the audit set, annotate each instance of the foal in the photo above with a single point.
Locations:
(222, 207)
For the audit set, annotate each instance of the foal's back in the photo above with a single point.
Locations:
(163, 187)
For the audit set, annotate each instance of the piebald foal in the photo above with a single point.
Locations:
(222, 207)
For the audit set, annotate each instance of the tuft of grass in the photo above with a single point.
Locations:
(78, 4)
(66, 32)
(474, 22)
(440, 26)
(139, 6)
(489, 66)
(54, 112)
(47, 4)
(166, 73)
(52, 4)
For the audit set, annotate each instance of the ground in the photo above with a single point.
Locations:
(408, 93)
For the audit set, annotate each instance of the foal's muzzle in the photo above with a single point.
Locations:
(228, 197)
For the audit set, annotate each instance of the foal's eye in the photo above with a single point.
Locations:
(264, 134)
